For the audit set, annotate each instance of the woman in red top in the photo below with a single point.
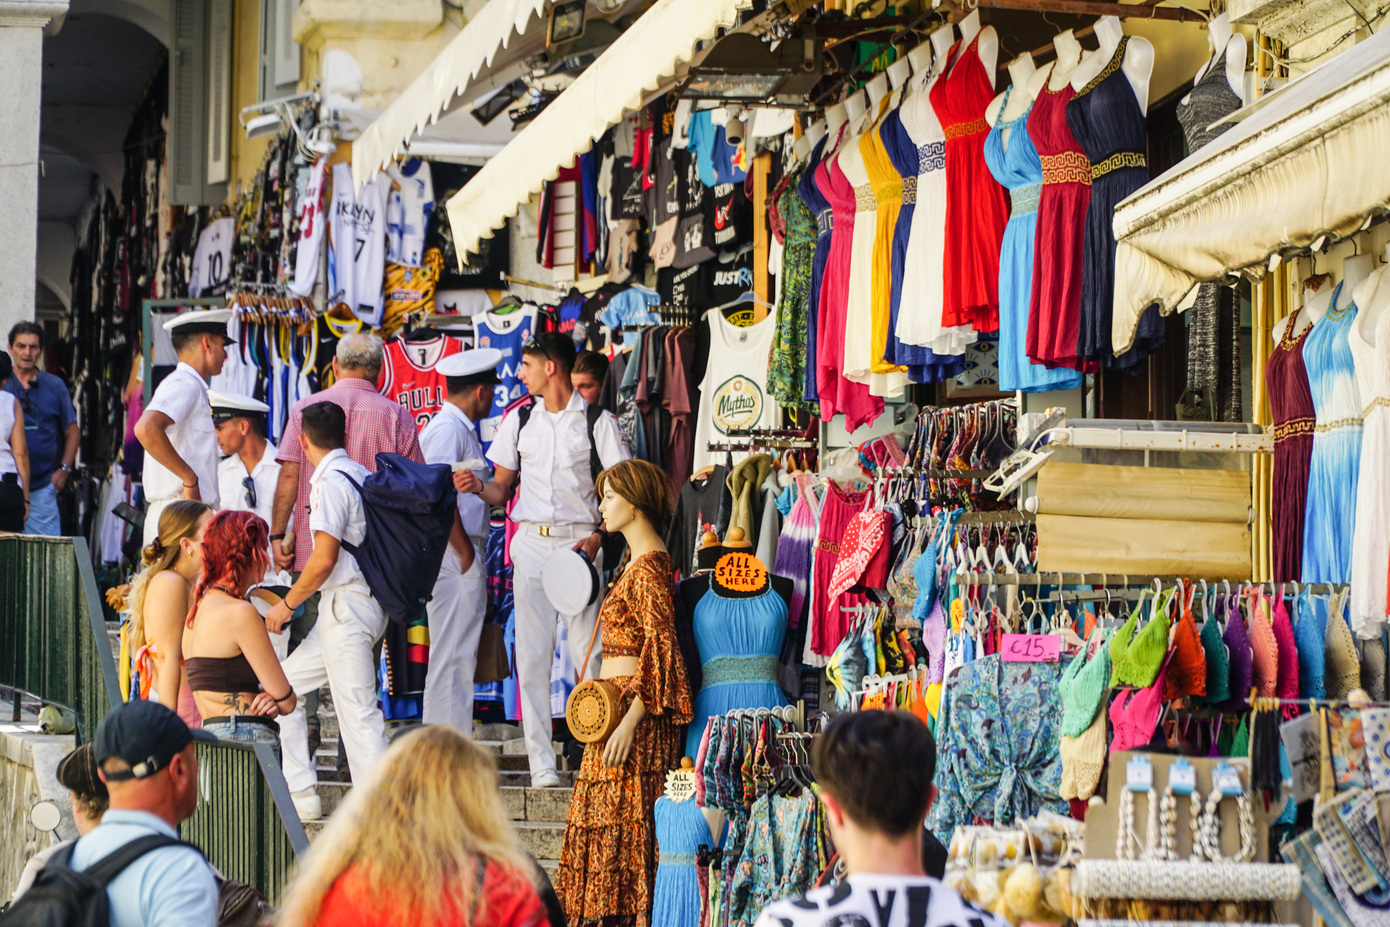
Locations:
(425, 840)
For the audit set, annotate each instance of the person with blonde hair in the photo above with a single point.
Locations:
(608, 862)
(424, 840)
(157, 605)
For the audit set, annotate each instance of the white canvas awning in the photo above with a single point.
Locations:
(1308, 162)
(645, 56)
(454, 72)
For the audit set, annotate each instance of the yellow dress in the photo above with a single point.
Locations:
(888, 192)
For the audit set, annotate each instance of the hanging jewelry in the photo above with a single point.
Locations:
(1226, 782)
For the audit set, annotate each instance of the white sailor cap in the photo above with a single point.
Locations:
(229, 405)
(475, 366)
(198, 321)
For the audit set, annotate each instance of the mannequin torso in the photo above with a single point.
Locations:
(1056, 75)
(1021, 71)
(987, 47)
(899, 71)
(1137, 66)
(1221, 39)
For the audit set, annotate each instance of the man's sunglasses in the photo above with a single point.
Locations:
(533, 346)
(250, 486)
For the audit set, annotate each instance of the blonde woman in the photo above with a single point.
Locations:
(425, 840)
(158, 603)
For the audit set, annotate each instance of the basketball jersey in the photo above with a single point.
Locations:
(408, 375)
(327, 331)
(408, 212)
(357, 232)
(410, 290)
(306, 255)
(507, 333)
(212, 260)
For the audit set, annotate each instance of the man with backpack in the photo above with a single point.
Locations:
(553, 448)
(131, 870)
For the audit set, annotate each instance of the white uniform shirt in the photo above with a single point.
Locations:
(449, 438)
(183, 396)
(557, 487)
(335, 507)
(230, 473)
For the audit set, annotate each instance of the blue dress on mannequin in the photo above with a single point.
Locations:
(1019, 169)
(681, 829)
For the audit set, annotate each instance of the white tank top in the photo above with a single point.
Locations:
(8, 404)
(733, 394)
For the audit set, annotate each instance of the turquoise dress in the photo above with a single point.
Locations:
(738, 640)
(681, 829)
(1019, 169)
(1335, 465)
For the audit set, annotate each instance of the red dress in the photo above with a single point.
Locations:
(828, 622)
(1054, 311)
(976, 208)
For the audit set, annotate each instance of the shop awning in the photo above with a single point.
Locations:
(646, 55)
(453, 72)
(1307, 162)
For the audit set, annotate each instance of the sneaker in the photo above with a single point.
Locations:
(545, 779)
(307, 804)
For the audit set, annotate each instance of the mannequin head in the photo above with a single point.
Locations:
(634, 495)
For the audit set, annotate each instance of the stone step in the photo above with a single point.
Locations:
(542, 840)
(537, 805)
(312, 829)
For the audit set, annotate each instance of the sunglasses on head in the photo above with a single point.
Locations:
(534, 346)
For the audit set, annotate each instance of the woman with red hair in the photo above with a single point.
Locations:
(232, 669)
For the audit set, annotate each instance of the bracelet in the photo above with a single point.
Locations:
(288, 695)
(1208, 841)
(190, 485)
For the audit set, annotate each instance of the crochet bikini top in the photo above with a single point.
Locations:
(1264, 649)
(1082, 687)
(1286, 686)
(1218, 663)
(1137, 657)
(1187, 669)
(1343, 665)
(1134, 714)
(1238, 650)
(1311, 647)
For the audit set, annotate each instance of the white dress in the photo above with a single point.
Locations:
(921, 305)
(1370, 553)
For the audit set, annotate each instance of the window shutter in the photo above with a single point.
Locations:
(285, 53)
(219, 90)
(187, 93)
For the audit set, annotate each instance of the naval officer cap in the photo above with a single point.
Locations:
(229, 405)
(468, 367)
(199, 322)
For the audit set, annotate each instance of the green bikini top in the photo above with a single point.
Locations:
(1082, 686)
(1137, 658)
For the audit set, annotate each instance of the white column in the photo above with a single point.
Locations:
(21, 74)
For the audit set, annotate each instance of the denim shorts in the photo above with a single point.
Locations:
(246, 729)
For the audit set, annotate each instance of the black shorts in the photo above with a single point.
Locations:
(11, 503)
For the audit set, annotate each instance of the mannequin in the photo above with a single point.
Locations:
(856, 104)
(1313, 309)
(920, 58)
(1138, 64)
(1355, 270)
(877, 89)
(835, 117)
(1056, 75)
(941, 42)
(1021, 71)
(1221, 38)
(899, 71)
(987, 47)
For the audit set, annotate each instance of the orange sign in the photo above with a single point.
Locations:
(740, 572)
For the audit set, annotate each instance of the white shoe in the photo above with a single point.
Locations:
(545, 779)
(307, 804)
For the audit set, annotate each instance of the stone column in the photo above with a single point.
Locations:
(21, 74)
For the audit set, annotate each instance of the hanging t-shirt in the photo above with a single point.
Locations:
(212, 260)
(879, 900)
(698, 510)
(461, 302)
(693, 238)
(733, 393)
(409, 377)
(731, 218)
(239, 375)
(410, 290)
(306, 254)
(408, 210)
(506, 332)
(357, 233)
(327, 331)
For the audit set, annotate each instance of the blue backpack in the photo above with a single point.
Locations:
(409, 510)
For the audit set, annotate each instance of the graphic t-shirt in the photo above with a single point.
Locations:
(212, 261)
(878, 901)
(698, 510)
(408, 375)
(506, 332)
(733, 393)
(410, 290)
(357, 232)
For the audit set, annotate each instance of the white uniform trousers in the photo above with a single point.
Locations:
(338, 651)
(535, 639)
(456, 615)
(153, 509)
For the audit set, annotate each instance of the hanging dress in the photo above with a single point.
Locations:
(1054, 306)
(828, 622)
(888, 198)
(787, 370)
(681, 829)
(1333, 469)
(976, 210)
(1213, 322)
(809, 188)
(1018, 168)
(1291, 409)
(1108, 121)
(1371, 551)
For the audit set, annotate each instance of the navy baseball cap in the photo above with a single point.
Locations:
(146, 735)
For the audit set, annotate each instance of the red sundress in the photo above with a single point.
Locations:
(976, 208)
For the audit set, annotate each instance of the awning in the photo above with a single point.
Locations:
(1306, 163)
(453, 72)
(643, 57)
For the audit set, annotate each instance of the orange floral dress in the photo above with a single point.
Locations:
(608, 864)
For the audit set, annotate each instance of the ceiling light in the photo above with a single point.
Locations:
(743, 68)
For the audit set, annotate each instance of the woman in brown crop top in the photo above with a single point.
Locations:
(608, 864)
(232, 668)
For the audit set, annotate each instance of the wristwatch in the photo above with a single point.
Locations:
(277, 537)
(66, 468)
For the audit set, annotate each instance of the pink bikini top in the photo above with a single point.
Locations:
(1134, 714)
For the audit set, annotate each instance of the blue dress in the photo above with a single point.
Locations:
(1019, 169)
(820, 207)
(681, 829)
(738, 640)
(1335, 466)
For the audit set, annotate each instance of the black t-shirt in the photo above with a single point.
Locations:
(699, 510)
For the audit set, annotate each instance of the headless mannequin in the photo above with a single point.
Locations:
(1312, 309)
(987, 47)
(1355, 271)
(1220, 38)
(835, 117)
(1056, 75)
(808, 141)
(1138, 64)
(856, 105)
(1021, 70)
(692, 590)
(899, 71)
(877, 89)
(920, 58)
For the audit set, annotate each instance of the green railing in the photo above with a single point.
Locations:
(53, 640)
(54, 645)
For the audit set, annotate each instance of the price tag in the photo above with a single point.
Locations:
(1031, 648)
(1182, 777)
(740, 572)
(1226, 780)
(1139, 774)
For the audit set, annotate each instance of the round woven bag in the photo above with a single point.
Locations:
(593, 711)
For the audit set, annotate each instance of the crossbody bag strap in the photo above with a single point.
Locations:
(590, 652)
